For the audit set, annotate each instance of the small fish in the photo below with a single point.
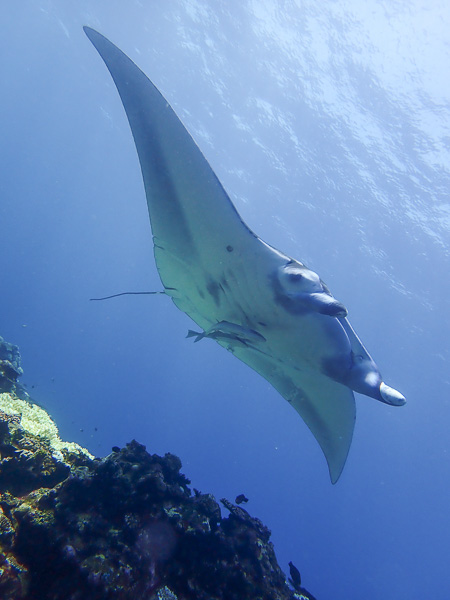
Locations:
(296, 580)
(228, 331)
(240, 499)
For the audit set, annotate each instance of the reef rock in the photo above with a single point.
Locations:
(11, 370)
(74, 527)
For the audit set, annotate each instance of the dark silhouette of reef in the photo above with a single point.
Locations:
(10, 369)
(74, 527)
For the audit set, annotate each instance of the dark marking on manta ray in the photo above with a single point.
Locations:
(214, 289)
(230, 248)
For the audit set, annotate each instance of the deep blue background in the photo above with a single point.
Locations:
(328, 124)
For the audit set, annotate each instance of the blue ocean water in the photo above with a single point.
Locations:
(328, 124)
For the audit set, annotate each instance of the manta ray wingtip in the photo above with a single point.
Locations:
(93, 34)
(334, 478)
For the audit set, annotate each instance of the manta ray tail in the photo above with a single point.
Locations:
(126, 294)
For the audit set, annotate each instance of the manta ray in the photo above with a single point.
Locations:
(270, 310)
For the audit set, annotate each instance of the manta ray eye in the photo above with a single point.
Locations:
(296, 280)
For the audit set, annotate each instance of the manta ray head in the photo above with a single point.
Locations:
(294, 278)
(301, 290)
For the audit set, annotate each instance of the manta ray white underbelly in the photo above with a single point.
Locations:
(271, 311)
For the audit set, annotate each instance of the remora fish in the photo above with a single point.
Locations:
(229, 331)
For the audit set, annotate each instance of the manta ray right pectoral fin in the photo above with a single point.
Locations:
(328, 408)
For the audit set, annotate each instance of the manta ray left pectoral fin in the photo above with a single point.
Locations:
(328, 408)
(197, 232)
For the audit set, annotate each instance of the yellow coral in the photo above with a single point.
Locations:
(37, 421)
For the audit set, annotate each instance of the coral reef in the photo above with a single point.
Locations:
(127, 526)
(10, 369)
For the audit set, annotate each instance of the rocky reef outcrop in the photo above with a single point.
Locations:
(10, 369)
(127, 526)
